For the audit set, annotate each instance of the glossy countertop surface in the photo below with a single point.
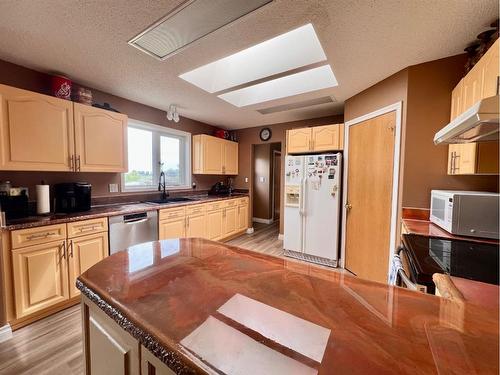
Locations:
(429, 229)
(222, 309)
(110, 210)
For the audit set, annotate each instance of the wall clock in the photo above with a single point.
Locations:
(265, 134)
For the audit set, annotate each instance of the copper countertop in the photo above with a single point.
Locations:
(110, 210)
(203, 306)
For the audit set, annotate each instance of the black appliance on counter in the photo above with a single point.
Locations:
(72, 197)
(220, 189)
(471, 260)
(14, 206)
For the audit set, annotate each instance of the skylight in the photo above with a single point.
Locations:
(294, 49)
(294, 84)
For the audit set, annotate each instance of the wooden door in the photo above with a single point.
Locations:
(196, 226)
(457, 100)
(100, 140)
(325, 138)
(369, 194)
(172, 229)
(83, 253)
(491, 70)
(230, 220)
(299, 140)
(243, 217)
(213, 155)
(215, 224)
(40, 277)
(230, 158)
(473, 86)
(108, 348)
(36, 131)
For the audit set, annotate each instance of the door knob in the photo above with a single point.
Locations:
(348, 206)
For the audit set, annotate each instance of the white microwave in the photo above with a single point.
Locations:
(466, 213)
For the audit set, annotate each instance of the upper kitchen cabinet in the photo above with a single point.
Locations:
(36, 131)
(457, 100)
(316, 139)
(212, 155)
(473, 158)
(100, 140)
(491, 70)
(42, 133)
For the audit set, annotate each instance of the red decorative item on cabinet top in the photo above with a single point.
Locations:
(220, 133)
(61, 87)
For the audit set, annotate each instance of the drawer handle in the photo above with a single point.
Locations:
(92, 227)
(39, 236)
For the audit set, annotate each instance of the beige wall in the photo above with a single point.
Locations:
(18, 76)
(425, 91)
(250, 136)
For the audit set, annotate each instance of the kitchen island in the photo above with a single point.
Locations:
(197, 306)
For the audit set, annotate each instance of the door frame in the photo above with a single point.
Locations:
(398, 108)
(273, 195)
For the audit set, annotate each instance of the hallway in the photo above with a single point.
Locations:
(263, 240)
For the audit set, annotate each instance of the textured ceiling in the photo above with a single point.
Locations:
(365, 41)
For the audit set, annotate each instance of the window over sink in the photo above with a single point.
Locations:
(153, 149)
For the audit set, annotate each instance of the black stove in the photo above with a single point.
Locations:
(470, 260)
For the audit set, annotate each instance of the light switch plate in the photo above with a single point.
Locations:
(246, 179)
(262, 179)
(113, 188)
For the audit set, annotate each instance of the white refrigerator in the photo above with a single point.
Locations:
(312, 207)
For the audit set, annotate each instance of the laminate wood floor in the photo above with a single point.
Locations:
(54, 345)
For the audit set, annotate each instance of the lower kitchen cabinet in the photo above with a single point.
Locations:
(243, 215)
(230, 222)
(152, 365)
(175, 228)
(83, 253)
(215, 225)
(40, 277)
(196, 226)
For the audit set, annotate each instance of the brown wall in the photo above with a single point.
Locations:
(21, 77)
(425, 91)
(250, 136)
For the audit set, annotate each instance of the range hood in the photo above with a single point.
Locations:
(479, 123)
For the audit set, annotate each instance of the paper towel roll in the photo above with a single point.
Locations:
(42, 199)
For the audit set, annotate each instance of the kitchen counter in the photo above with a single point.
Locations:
(205, 307)
(429, 229)
(109, 210)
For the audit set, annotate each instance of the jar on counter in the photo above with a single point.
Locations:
(5, 187)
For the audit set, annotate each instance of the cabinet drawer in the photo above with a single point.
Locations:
(81, 228)
(198, 209)
(38, 235)
(216, 206)
(242, 201)
(172, 213)
(231, 203)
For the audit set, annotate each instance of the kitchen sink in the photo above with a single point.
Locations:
(170, 200)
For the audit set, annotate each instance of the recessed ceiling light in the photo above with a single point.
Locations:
(189, 22)
(294, 49)
(294, 84)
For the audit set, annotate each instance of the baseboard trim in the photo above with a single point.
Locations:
(5, 333)
(262, 221)
(281, 236)
(250, 230)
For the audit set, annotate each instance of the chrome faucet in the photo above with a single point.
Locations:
(162, 186)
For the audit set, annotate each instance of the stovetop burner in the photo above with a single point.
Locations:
(466, 259)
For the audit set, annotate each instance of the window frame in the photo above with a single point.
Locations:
(184, 161)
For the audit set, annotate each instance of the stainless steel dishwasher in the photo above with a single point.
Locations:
(132, 229)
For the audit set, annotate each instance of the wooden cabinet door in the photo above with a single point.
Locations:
(487, 158)
(491, 70)
(299, 140)
(457, 100)
(152, 365)
(473, 86)
(230, 220)
(36, 131)
(453, 151)
(172, 229)
(230, 158)
(83, 253)
(196, 226)
(108, 348)
(40, 277)
(100, 140)
(215, 225)
(465, 158)
(213, 155)
(242, 217)
(326, 138)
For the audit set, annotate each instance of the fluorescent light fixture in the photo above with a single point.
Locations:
(294, 84)
(294, 49)
(190, 21)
